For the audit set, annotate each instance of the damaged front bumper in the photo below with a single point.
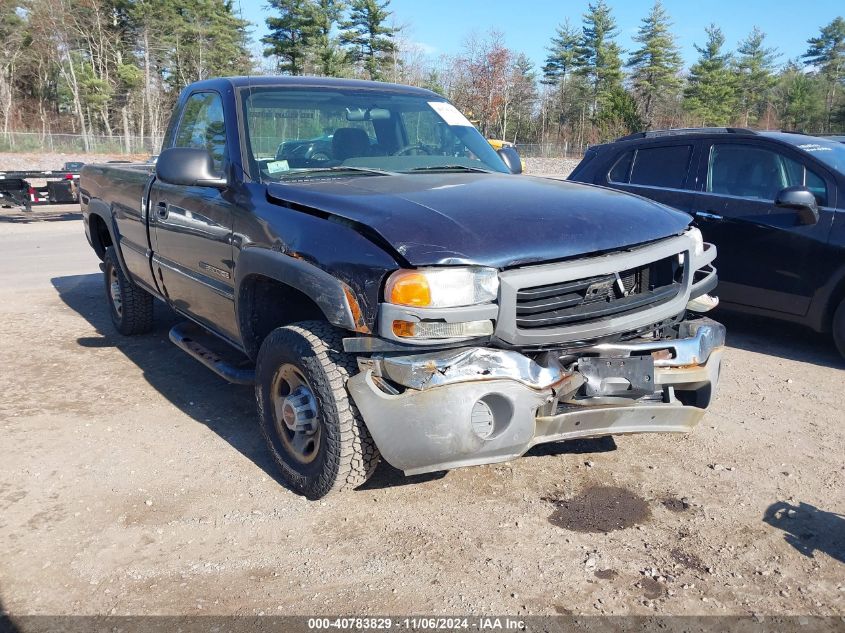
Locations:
(469, 406)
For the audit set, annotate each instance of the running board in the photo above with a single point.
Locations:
(185, 335)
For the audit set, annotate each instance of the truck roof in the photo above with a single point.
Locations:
(300, 81)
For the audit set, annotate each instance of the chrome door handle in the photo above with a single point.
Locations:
(709, 216)
(162, 210)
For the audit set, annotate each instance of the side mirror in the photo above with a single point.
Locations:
(799, 199)
(188, 166)
(511, 158)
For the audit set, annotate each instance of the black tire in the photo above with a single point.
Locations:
(130, 307)
(838, 327)
(343, 455)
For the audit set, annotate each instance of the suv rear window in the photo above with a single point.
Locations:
(661, 166)
(621, 169)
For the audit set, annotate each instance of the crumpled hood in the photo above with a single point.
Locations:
(497, 220)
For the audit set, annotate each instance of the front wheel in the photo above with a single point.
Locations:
(130, 306)
(312, 427)
(839, 328)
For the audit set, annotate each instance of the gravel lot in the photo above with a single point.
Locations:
(554, 167)
(45, 161)
(134, 481)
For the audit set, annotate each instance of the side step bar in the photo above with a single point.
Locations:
(184, 336)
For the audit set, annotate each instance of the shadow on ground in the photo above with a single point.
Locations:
(574, 447)
(779, 338)
(19, 216)
(809, 529)
(388, 477)
(228, 410)
(6, 623)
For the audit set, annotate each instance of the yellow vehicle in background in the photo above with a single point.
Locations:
(497, 144)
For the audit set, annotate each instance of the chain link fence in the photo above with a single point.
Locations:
(550, 150)
(77, 143)
(104, 144)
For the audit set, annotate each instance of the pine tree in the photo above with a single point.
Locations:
(220, 39)
(562, 56)
(827, 54)
(798, 98)
(598, 57)
(329, 59)
(711, 89)
(369, 38)
(754, 67)
(291, 33)
(618, 115)
(656, 65)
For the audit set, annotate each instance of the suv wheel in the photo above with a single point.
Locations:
(131, 307)
(311, 425)
(839, 327)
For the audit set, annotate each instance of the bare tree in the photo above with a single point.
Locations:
(12, 40)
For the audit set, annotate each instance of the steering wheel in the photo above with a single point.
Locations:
(418, 147)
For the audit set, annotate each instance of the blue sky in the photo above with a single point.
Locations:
(440, 26)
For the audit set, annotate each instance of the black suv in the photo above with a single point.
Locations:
(772, 202)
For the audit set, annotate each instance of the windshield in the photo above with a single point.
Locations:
(294, 133)
(829, 152)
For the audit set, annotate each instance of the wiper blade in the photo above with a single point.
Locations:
(339, 169)
(452, 168)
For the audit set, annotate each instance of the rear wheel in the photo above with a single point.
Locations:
(130, 306)
(312, 427)
(839, 327)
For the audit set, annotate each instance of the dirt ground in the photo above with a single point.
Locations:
(134, 481)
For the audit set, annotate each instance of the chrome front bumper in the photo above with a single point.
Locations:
(419, 408)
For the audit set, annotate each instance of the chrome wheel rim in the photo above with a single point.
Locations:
(295, 414)
(114, 291)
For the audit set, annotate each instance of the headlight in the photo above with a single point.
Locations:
(442, 287)
(698, 240)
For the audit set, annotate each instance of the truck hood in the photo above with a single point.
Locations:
(496, 220)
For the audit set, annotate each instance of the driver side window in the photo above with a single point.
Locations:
(202, 126)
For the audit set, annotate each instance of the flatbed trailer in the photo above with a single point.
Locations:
(16, 190)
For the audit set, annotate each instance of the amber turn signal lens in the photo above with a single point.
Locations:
(410, 289)
(405, 329)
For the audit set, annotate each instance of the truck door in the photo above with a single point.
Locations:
(765, 257)
(193, 226)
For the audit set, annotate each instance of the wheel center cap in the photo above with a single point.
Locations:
(289, 416)
(299, 411)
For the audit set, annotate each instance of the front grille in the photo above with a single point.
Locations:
(600, 296)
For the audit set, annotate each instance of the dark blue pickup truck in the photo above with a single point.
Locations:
(402, 292)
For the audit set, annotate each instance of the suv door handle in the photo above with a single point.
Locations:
(162, 210)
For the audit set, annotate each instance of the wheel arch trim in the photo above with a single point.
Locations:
(100, 209)
(336, 300)
(826, 300)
